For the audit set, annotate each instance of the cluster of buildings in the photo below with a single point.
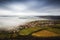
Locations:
(40, 23)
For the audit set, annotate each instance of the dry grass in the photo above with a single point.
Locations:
(45, 33)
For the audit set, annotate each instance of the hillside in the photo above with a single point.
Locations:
(35, 29)
(37, 26)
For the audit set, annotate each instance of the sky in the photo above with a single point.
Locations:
(30, 7)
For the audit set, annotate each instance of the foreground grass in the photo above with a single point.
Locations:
(34, 31)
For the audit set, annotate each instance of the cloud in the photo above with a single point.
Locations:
(26, 13)
(29, 7)
(48, 9)
(17, 9)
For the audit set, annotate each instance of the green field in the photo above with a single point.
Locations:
(36, 29)
(28, 31)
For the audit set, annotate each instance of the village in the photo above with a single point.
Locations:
(39, 23)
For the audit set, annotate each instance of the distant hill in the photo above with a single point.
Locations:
(50, 17)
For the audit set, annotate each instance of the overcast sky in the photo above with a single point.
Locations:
(30, 7)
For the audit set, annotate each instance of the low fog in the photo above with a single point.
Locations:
(10, 23)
